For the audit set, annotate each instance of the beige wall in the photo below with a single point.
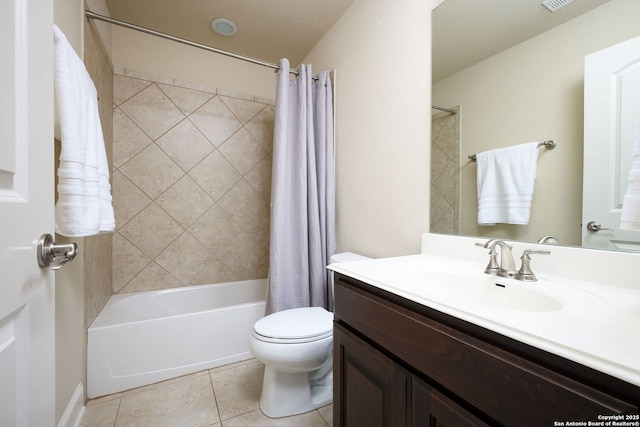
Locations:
(381, 53)
(445, 174)
(97, 249)
(536, 93)
(84, 285)
(69, 286)
(191, 185)
(382, 108)
(133, 50)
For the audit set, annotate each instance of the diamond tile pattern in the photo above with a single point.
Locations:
(445, 173)
(192, 184)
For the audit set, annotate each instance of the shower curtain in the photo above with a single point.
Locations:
(302, 191)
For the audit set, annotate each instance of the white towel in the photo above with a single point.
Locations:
(506, 179)
(84, 203)
(630, 217)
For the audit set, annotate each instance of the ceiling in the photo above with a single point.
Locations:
(268, 29)
(464, 31)
(468, 31)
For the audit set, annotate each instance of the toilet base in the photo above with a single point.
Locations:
(288, 393)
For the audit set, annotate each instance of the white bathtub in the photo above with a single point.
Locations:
(145, 337)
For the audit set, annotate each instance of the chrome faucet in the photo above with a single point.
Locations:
(525, 273)
(507, 267)
(548, 240)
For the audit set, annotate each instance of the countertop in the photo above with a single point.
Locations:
(595, 324)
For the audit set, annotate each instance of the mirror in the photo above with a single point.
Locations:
(514, 72)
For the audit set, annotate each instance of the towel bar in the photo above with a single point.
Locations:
(549, 145)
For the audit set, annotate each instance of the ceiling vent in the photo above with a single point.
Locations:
(554, 5)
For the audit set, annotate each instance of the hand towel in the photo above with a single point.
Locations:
(506, 178)
(84, 205)
(630, 216)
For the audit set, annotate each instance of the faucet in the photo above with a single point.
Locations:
(548, 240)
(507, 267)
(525, 273)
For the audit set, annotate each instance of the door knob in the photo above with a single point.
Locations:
(54, 256)
(595, 226)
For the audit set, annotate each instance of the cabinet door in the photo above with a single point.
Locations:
(432, 409)
(369, 388)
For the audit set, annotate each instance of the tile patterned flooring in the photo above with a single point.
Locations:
(227, 396)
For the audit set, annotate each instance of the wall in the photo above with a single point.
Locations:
(97, 249)
(69, 304)
(84, 285)
(191, 185)
(133, 50)
(383, 124)
(235, 246)
(445, 173)
(548, 106)
(382, 109)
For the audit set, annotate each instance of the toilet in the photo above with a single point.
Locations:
(295, 346)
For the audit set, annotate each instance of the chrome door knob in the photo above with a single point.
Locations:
(595, 226)
(54, 256)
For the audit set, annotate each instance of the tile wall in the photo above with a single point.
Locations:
(445, 173)
(191, 183)
(97, 249)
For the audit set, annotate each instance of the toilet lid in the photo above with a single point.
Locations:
(307, 323)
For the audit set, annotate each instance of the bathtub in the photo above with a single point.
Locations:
(145, 337)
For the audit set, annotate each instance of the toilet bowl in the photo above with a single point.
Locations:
(295, 346)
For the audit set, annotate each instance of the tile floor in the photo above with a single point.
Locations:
(227, 396)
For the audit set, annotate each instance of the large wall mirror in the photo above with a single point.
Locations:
(513, 72)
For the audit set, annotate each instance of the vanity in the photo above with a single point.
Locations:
(495, 352)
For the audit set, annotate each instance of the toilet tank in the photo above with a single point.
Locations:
(341, 257)
(346, 257)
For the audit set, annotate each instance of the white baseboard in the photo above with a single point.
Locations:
(72, 416)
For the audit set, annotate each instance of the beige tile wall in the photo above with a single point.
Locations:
(445, 173)
(97, 249)
(191, 183)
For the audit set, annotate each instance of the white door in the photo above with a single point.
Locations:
(611, 120)
(27, 389)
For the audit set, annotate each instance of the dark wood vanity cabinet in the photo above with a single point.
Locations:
(400, 363)
(375, 391)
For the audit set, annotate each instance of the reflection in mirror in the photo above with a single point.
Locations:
(514, 72)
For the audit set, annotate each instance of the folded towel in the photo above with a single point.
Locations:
(630, 217)
(506, 178)
(84, 204)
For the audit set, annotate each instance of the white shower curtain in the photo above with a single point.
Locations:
(302, 191)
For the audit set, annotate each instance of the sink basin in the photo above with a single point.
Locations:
(481, 289)
(457, 287)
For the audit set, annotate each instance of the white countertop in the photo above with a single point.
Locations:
(595, 324)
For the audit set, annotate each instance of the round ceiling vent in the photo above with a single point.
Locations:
(224, 26)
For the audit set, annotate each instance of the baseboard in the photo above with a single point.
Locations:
(72, 416)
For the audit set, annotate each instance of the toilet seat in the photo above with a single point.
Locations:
(296, 325)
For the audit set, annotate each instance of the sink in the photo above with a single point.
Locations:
(459, 287)
(481, 289)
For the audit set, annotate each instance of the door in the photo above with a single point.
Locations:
(611, 124)
(432, 409)
(369, 388)
(27, 389)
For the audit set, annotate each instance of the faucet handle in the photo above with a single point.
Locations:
(525, 273)
(493, 267)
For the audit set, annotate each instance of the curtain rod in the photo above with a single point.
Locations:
(276, 67)
(448, 110)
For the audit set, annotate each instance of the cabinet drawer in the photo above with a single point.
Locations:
(507, 387)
